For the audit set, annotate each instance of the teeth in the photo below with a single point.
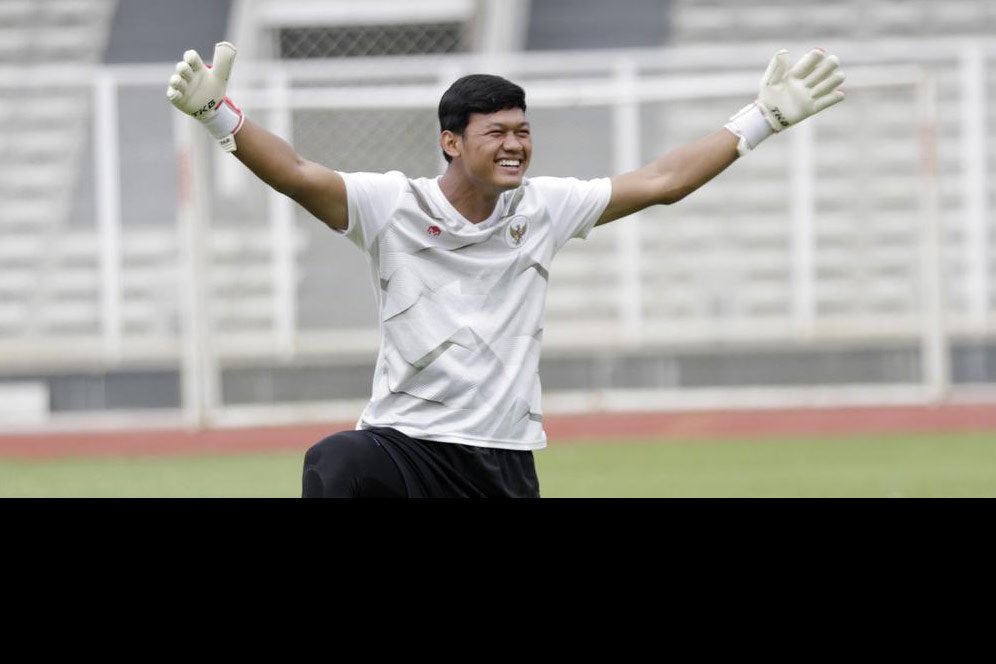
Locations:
(508, 162)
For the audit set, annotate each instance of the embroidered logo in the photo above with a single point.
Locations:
(518, 226)
(434, 231)
(207, 107)
(778, 116)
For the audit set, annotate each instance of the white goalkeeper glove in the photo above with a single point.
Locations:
(199, 91)
(789, 94)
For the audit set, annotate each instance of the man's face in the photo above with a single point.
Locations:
(495, 148)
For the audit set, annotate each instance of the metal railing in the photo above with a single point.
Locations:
(225, 273)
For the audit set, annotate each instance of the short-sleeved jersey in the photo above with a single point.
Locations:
(461, 304)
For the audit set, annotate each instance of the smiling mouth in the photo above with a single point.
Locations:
(510, 163)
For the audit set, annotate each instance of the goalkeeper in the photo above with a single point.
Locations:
(460, 263)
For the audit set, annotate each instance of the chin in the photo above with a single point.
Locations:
(510, 181)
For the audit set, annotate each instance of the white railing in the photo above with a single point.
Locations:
(162, 293)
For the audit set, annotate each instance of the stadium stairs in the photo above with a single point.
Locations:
(43, 133)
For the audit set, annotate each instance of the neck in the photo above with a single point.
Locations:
(471, 201)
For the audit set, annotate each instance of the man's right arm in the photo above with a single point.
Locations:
(198, 90)
(318, 189)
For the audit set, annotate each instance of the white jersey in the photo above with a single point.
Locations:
(461, 304)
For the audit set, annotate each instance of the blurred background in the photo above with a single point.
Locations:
(147, 279)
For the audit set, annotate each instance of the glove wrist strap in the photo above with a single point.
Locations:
(750, 126)
(224, 123)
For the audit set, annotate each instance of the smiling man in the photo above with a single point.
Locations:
(460, 264)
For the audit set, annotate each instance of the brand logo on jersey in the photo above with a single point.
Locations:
(518, 227)
(434, 231)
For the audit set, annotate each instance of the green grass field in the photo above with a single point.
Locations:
(950, 465)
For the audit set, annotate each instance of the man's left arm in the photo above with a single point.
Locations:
(788, 95)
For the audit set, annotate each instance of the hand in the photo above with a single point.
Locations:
(198, 90)
(791, 93)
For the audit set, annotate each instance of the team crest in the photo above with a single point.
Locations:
(434, 231)
(516, 231)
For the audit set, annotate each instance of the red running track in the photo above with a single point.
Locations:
(560, 428)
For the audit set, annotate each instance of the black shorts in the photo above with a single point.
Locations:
(385, 463)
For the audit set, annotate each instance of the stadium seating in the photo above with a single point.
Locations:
(40, 161)
(722, 266)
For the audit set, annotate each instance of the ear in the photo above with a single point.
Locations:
(450, 143)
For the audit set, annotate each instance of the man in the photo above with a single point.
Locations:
(460, 264)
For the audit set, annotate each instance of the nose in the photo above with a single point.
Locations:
(512, 142)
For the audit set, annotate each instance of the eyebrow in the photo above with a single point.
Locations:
(499, 125)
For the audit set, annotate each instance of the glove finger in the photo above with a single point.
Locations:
(184, 71)
(777, 67)
(807, 63)
(822, 70)
(193, 59)
(828, 84)
(829, 100)
(173, 94)
(177, 83)
(224, 58)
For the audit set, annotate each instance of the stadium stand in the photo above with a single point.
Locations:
(41, 153)
(715, 296)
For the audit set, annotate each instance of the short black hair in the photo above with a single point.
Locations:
(476, 93)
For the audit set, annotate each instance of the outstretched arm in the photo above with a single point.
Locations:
(789, 94)
(199, 90)
(318, 189)
(672, 177)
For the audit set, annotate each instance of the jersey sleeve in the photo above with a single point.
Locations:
(574, 205)
(371, 200)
